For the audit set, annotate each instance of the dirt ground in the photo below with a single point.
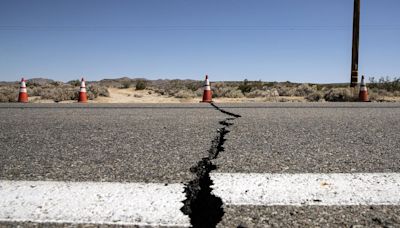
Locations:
(147, 96)
(131, 95)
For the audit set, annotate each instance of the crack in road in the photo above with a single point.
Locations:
(204, 208)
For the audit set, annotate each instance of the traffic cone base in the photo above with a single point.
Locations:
(23, 97)
(23, 94)
(82, 92)
(82, 97)
(207, 94)
(363, 95)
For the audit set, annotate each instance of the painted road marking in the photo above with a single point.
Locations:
(93, 202)
(159, 205)
(307, 189)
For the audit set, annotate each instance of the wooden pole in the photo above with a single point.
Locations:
(356, 44)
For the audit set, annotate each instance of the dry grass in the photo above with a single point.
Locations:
(174, 91)
(50, 90)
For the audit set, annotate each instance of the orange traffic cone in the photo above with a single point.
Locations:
(23, 95)
(363, 95)
(82, 92)
(207, 96)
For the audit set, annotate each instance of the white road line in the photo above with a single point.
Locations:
(159, 205)
(307, 189)
(90, 202)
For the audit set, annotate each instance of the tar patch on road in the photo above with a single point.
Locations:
(204, 208)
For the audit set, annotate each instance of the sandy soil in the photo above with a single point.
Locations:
(131, 95)
(147, 96)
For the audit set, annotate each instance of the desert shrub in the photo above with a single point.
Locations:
(90, 95)
(274, 92)
(339, 95)
(9, 93)
(263, 93)
(199, 92)
(186, 94)
(304, 90)
(141, 85)
(98, 90)
(373, 96)
(286, 91)
(159, 91)
(60, 94)
(247, 86)
(126, 84)
(56, 83)
(35, 91)
(387, 83)
(258, 93)
(315, 96)
(194, 86)
(234, 93)
(229, 92)
(74, 83)
(3, 98)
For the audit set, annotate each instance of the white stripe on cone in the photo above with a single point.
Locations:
(83, 86)
(363, 86)
(22, 88)
(207, 85)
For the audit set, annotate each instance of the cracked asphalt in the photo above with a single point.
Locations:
(312, 138)
(159, 143)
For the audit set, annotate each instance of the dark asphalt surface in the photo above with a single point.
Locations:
(132, 143)
(312, 138)
(159, 143)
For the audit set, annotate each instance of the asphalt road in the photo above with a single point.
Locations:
(128, 143)
(312, 138)
(160, 143)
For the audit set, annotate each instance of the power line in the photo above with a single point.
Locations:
(195, 28)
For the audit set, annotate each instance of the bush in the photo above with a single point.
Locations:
(258, 93)
(286, 91)
(186, 94)
(247, 87)
(315, 96)
(98, 90)
(229, 92)
(60, 94)
(74, 83)
(385, 84)
(8, 94)
(304, 90)
(339, 95)
(141, 85)
(126, 84)
(234, 94)
(35, 91)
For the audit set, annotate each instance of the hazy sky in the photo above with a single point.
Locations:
(271, 40)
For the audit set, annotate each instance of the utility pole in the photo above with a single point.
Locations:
(356, 44)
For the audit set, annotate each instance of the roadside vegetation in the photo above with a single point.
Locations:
(56, 91)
